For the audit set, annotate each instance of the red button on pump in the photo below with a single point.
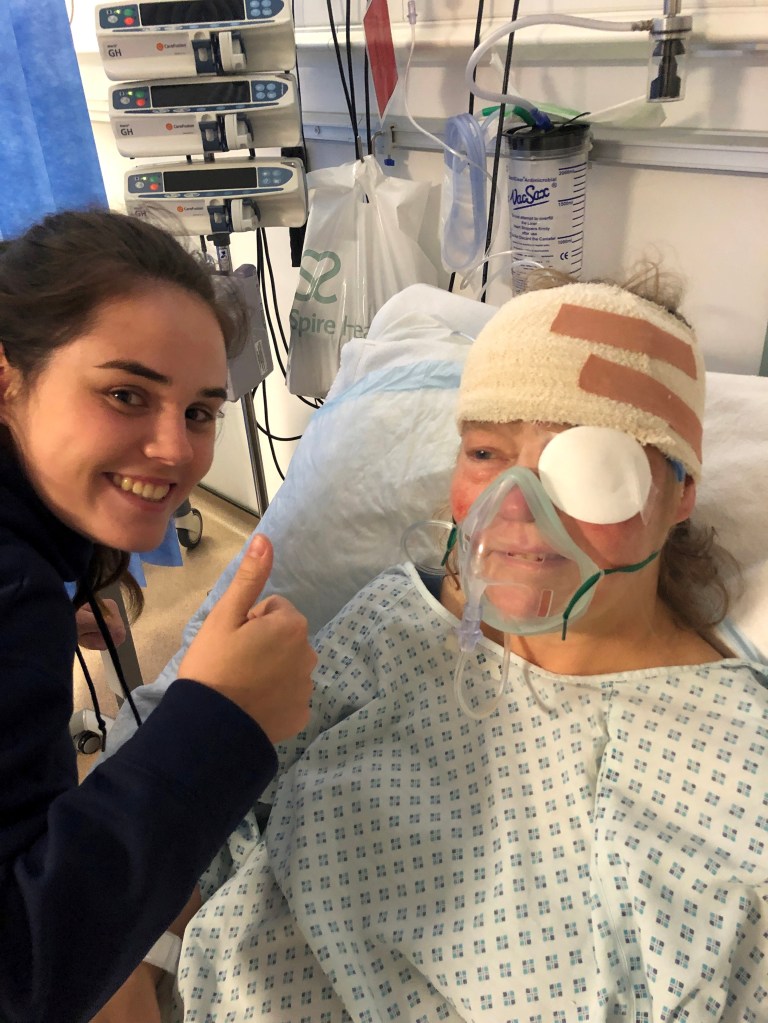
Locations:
(141, 102)
(154, 186)
(129, 21)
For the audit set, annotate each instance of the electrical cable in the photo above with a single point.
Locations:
(475, 44)
(104, 630)
(351, 71)
(271, 331)
(273, 289)
(471, 106)
(298, 81)
(264, 303)
(497, 153)
(367, 88)
(268, 290)
(340, 65)
(264, 267)
(268, 432)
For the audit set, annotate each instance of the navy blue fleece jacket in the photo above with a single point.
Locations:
(91, 875)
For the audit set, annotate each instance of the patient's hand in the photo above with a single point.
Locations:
(88, 632)
(136, 1001)
(260, 656)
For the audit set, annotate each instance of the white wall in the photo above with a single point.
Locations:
(711, 226)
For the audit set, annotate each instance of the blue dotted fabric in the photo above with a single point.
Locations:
(595, 850)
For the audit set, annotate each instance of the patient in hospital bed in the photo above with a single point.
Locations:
(572, 825)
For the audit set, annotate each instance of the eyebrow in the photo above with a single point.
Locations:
(140, 370)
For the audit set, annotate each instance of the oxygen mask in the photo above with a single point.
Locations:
(521, 571)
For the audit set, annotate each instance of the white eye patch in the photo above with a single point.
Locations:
(596, 474)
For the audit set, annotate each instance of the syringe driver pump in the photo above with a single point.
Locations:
(182, 38)
(194, 116)
(230, 195)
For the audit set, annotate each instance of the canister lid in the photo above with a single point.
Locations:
(526, 139)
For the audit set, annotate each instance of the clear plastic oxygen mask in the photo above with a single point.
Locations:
(520, 570)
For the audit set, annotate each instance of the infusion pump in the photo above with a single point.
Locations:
(205, 115)
(180, 38)
(232, 195)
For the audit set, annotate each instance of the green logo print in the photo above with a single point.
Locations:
(315, 280)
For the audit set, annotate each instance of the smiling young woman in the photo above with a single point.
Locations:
(112, 444)
(113, 367)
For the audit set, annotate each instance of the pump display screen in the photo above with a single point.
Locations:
(201, 94)
(211, 179)
(191, 12)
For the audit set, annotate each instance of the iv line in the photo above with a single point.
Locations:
(434, 138)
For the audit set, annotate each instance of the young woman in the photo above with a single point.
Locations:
(113, 367)
(533, 791)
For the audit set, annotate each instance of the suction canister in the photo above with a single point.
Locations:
(547, 197)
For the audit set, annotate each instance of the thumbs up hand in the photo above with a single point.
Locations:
(260, 656)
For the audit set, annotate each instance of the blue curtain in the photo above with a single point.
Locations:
(47, 155)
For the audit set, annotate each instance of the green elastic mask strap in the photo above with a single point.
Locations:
(452, 537)
(594, 579)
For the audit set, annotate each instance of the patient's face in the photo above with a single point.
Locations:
(488, 449)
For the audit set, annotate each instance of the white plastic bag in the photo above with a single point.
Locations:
(360, 249)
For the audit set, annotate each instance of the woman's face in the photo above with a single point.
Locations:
(120, 424)
(489, 449)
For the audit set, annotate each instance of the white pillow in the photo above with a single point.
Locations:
(379, 456)
(733, 494)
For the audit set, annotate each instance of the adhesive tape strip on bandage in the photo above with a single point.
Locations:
(165, 953)
(596, 474)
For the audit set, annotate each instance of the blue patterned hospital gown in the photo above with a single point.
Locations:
(595, 850)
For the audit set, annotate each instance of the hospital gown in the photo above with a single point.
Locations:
(594, 850)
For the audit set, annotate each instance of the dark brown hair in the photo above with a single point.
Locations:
(53, 280)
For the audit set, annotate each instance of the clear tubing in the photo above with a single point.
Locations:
(458, 679)
(416, 125)
(520, 264)
(529, 22)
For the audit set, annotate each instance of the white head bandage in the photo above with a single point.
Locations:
(590, 355)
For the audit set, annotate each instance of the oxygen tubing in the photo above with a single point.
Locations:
(529, 22)
(458, 679)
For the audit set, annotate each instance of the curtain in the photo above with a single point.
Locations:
(47, 154)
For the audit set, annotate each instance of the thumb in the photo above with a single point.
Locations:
(247, 583)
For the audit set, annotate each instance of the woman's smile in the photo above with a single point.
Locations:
(153, 492)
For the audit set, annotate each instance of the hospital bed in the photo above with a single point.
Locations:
(378, 457)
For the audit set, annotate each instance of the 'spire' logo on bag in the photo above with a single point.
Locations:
(310, 273)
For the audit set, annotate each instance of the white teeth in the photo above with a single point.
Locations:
(149, 491)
